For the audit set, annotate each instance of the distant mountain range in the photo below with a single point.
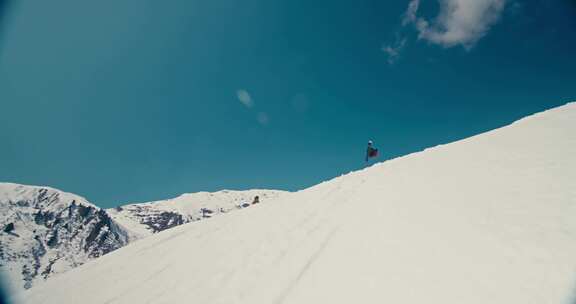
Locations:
(46, 231)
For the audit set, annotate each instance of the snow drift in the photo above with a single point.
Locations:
(490, 219)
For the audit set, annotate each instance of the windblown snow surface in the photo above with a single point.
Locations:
(487, 220)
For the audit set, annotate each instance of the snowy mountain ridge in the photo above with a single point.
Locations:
(144, 219)
(488, 219)
(47, 231)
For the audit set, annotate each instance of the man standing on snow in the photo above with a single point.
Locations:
(371, 151)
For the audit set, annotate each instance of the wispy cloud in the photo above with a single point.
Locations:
(459, 22)
(245, 98)
(410, 15)
(393, 50)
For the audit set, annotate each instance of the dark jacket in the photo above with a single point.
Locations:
(369, 151)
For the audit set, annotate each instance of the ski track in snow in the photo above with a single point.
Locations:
(305, 268)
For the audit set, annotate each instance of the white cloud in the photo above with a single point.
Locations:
(393, 51)
(410, 15)
(459, 22)
(245, 98)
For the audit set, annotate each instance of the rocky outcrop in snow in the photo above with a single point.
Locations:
(147, 218)
(47, 231)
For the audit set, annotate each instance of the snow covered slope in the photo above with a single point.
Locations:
(147, 218)
(47, 231)
(490, 219)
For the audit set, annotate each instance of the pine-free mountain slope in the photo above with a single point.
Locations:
(144, 219)
(489, 219)
(46, 232)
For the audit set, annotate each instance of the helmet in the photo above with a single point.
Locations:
(369, 142)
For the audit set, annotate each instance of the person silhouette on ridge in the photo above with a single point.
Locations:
(371, 152)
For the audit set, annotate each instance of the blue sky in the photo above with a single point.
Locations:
(136, 100)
